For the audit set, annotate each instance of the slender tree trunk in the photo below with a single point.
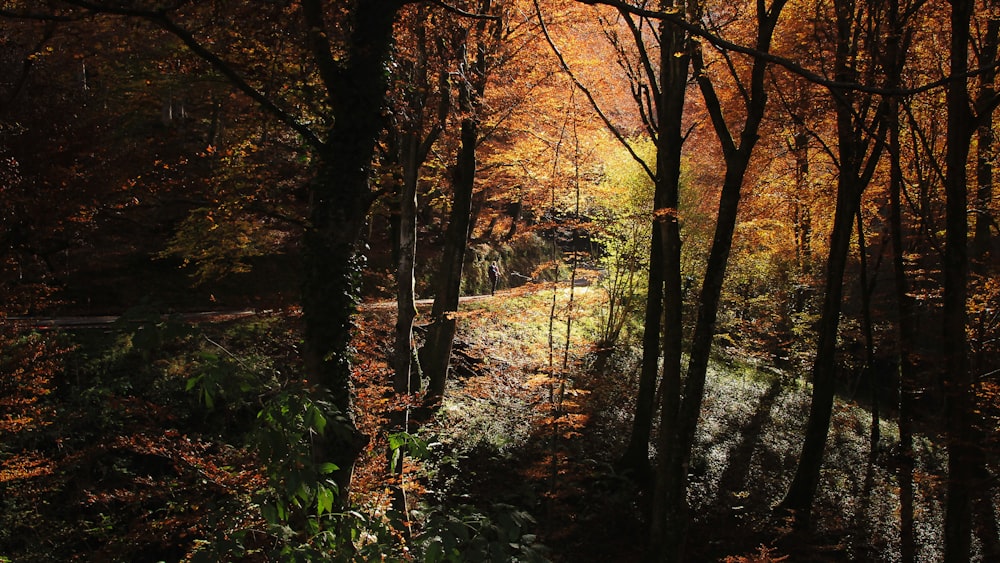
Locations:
(407, 368)
(958, 383)
(802, 215)
(436, 355)
(668, 526)
(636, 456)
(684, 410)
(986, 146)
(407, 378)
(868, 372)
(907, 341)
(803, 488)
(896, 45)
(854, 174)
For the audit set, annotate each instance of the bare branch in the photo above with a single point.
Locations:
(463, 13)
(590, 97)
(678, 19)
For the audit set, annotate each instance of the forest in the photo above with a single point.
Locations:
(499, 280)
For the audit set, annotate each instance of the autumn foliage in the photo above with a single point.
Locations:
(719, 230)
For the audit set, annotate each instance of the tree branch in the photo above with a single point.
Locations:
(676, 18)
(590, 97)
(461, 12)
(163, 21)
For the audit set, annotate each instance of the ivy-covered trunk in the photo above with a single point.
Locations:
(340, 197)
(329, 301)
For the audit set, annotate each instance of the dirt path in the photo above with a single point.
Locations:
(102, 321)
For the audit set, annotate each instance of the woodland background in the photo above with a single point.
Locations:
(748, 308)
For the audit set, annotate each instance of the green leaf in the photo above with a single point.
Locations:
(324, 500)
(435, 552)
(316, 420)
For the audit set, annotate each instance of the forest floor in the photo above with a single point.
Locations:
(531, 422)
(132, 442)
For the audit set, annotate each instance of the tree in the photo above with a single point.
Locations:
(416, 137)
(474, 68)
(860, 142)
(957, 379)
(348, 59)
(678, 434)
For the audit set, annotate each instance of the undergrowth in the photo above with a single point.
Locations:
(160, 440)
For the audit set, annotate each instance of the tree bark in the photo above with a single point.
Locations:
(906, 335)
(982, 246)
(896, 46)
(414, 150)
(636, 456)
(681, 413)
(958, 383)
(436, 355)
(340, 198)
(406, 366)
(668, 526)
(868, 374)
(854, 174)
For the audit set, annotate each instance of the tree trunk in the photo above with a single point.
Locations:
(668, 526)
(803, 488)
(407, 368)
(958, 383)
(340, 198)
(868, 374)
(907, 341)
(636, 456)
(986, 147)
(905, 320)
(436, 354)
(413, 152)
(854, 174)
(684, 410)
(802, 216)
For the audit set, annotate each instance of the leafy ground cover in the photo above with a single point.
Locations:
(160, 440)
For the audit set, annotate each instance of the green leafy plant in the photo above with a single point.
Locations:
(463, 533)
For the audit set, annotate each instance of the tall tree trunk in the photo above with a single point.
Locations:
(340, 198)
(854, 174)
(436, 355)
(802, 214)
(906, 335)
(407, 368)
(414, 150)
(868, 374)
(958, 383)
(679, 431)
(803, 488)
(668, 526)
(896, 45)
